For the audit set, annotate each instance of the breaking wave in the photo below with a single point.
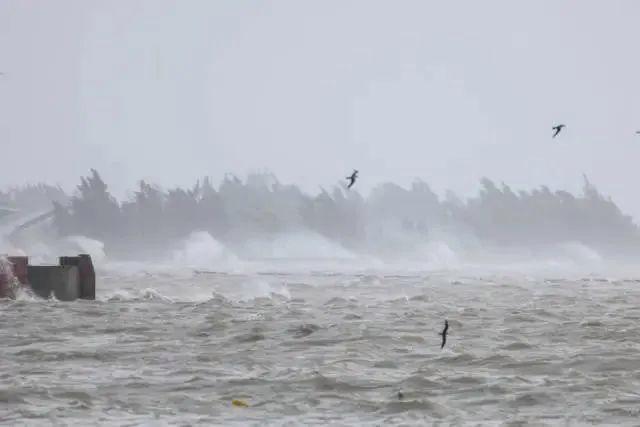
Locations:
(145, 294)
(201, 251)
(86, 245)
(296, 246)
(256, 288)
(581, 253)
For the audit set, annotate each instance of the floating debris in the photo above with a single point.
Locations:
(239, 403)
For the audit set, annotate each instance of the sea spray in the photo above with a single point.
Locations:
(8, 282)
(257, 288)
(87, 245)
(200, 250)
(295, 246)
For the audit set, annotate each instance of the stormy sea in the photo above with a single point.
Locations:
(327, 342)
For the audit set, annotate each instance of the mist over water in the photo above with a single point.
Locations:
(261, 224)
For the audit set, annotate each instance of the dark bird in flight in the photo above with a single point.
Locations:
(444, 334)
(557, 129)
(352, 178)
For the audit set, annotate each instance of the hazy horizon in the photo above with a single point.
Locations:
(152, 90)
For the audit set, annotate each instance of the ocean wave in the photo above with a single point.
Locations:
(145, 294)
(201, 250)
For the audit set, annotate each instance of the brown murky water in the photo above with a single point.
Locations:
(327, 349)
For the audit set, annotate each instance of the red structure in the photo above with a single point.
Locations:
(6, 278)
(20, 265)
(12, 268)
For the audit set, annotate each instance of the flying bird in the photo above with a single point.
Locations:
(557, 129)
(444, 334)
(352, 178)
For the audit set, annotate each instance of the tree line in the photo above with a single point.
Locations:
(261, 206)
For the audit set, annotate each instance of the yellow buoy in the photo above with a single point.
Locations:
(239, 403)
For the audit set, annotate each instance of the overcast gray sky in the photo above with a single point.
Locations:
(444, 91)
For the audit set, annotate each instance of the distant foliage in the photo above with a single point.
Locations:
(261, 205)
(32, 198)
(541, 217)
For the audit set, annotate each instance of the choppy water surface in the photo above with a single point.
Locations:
(159, 349)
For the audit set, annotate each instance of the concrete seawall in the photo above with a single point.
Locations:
(86, 274)
(74, 278)
(61, 281)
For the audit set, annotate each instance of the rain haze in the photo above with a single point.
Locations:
(446, 92)
(319, 213)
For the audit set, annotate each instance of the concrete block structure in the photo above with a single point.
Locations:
(61, 281)
(87, 274)
(72, 279)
